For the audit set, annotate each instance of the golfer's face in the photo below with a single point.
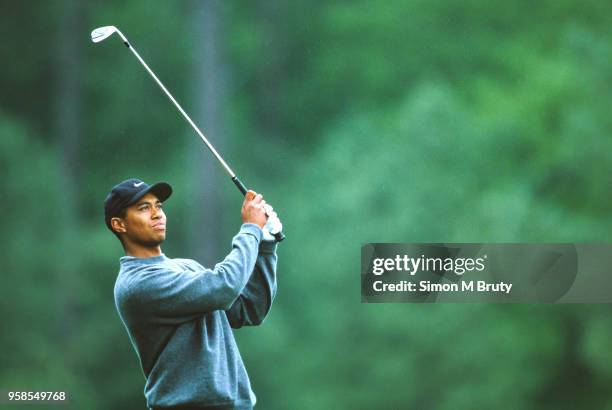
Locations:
(146, 221)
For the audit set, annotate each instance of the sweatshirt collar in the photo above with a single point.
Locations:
(142, 261)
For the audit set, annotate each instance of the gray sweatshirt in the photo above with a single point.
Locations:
(179, 316)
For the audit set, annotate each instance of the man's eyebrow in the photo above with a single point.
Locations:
(148, 202)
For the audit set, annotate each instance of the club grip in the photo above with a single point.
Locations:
(240, 185)
(279, 236)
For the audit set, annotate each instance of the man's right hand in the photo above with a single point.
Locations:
(253, 209)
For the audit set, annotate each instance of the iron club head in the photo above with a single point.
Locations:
(101, 33)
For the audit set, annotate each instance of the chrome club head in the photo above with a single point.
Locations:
(101, 33)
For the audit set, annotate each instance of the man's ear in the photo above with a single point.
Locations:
(118, 225)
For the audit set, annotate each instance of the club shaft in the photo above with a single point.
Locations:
(178, 106)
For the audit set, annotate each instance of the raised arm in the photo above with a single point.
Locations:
(255, 300)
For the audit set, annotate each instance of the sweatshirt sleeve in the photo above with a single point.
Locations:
(170, 297)
(255, 300)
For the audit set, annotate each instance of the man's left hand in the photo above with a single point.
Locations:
(273, 225)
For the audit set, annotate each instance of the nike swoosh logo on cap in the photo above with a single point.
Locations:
(136, 185)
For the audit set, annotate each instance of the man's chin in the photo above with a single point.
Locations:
(161, 240)
(159, 237)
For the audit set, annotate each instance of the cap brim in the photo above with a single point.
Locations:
(162, 190)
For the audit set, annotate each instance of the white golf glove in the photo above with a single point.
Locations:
(273, 225)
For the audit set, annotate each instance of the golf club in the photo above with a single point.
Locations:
(101, 34)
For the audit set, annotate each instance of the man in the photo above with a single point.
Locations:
(179, 314)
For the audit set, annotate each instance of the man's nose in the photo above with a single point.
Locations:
(157, 213)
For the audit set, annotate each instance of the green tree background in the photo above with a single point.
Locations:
(361, 121)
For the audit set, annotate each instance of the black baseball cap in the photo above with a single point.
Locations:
(128, 193)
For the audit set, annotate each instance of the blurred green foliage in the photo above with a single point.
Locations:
(466, 121)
